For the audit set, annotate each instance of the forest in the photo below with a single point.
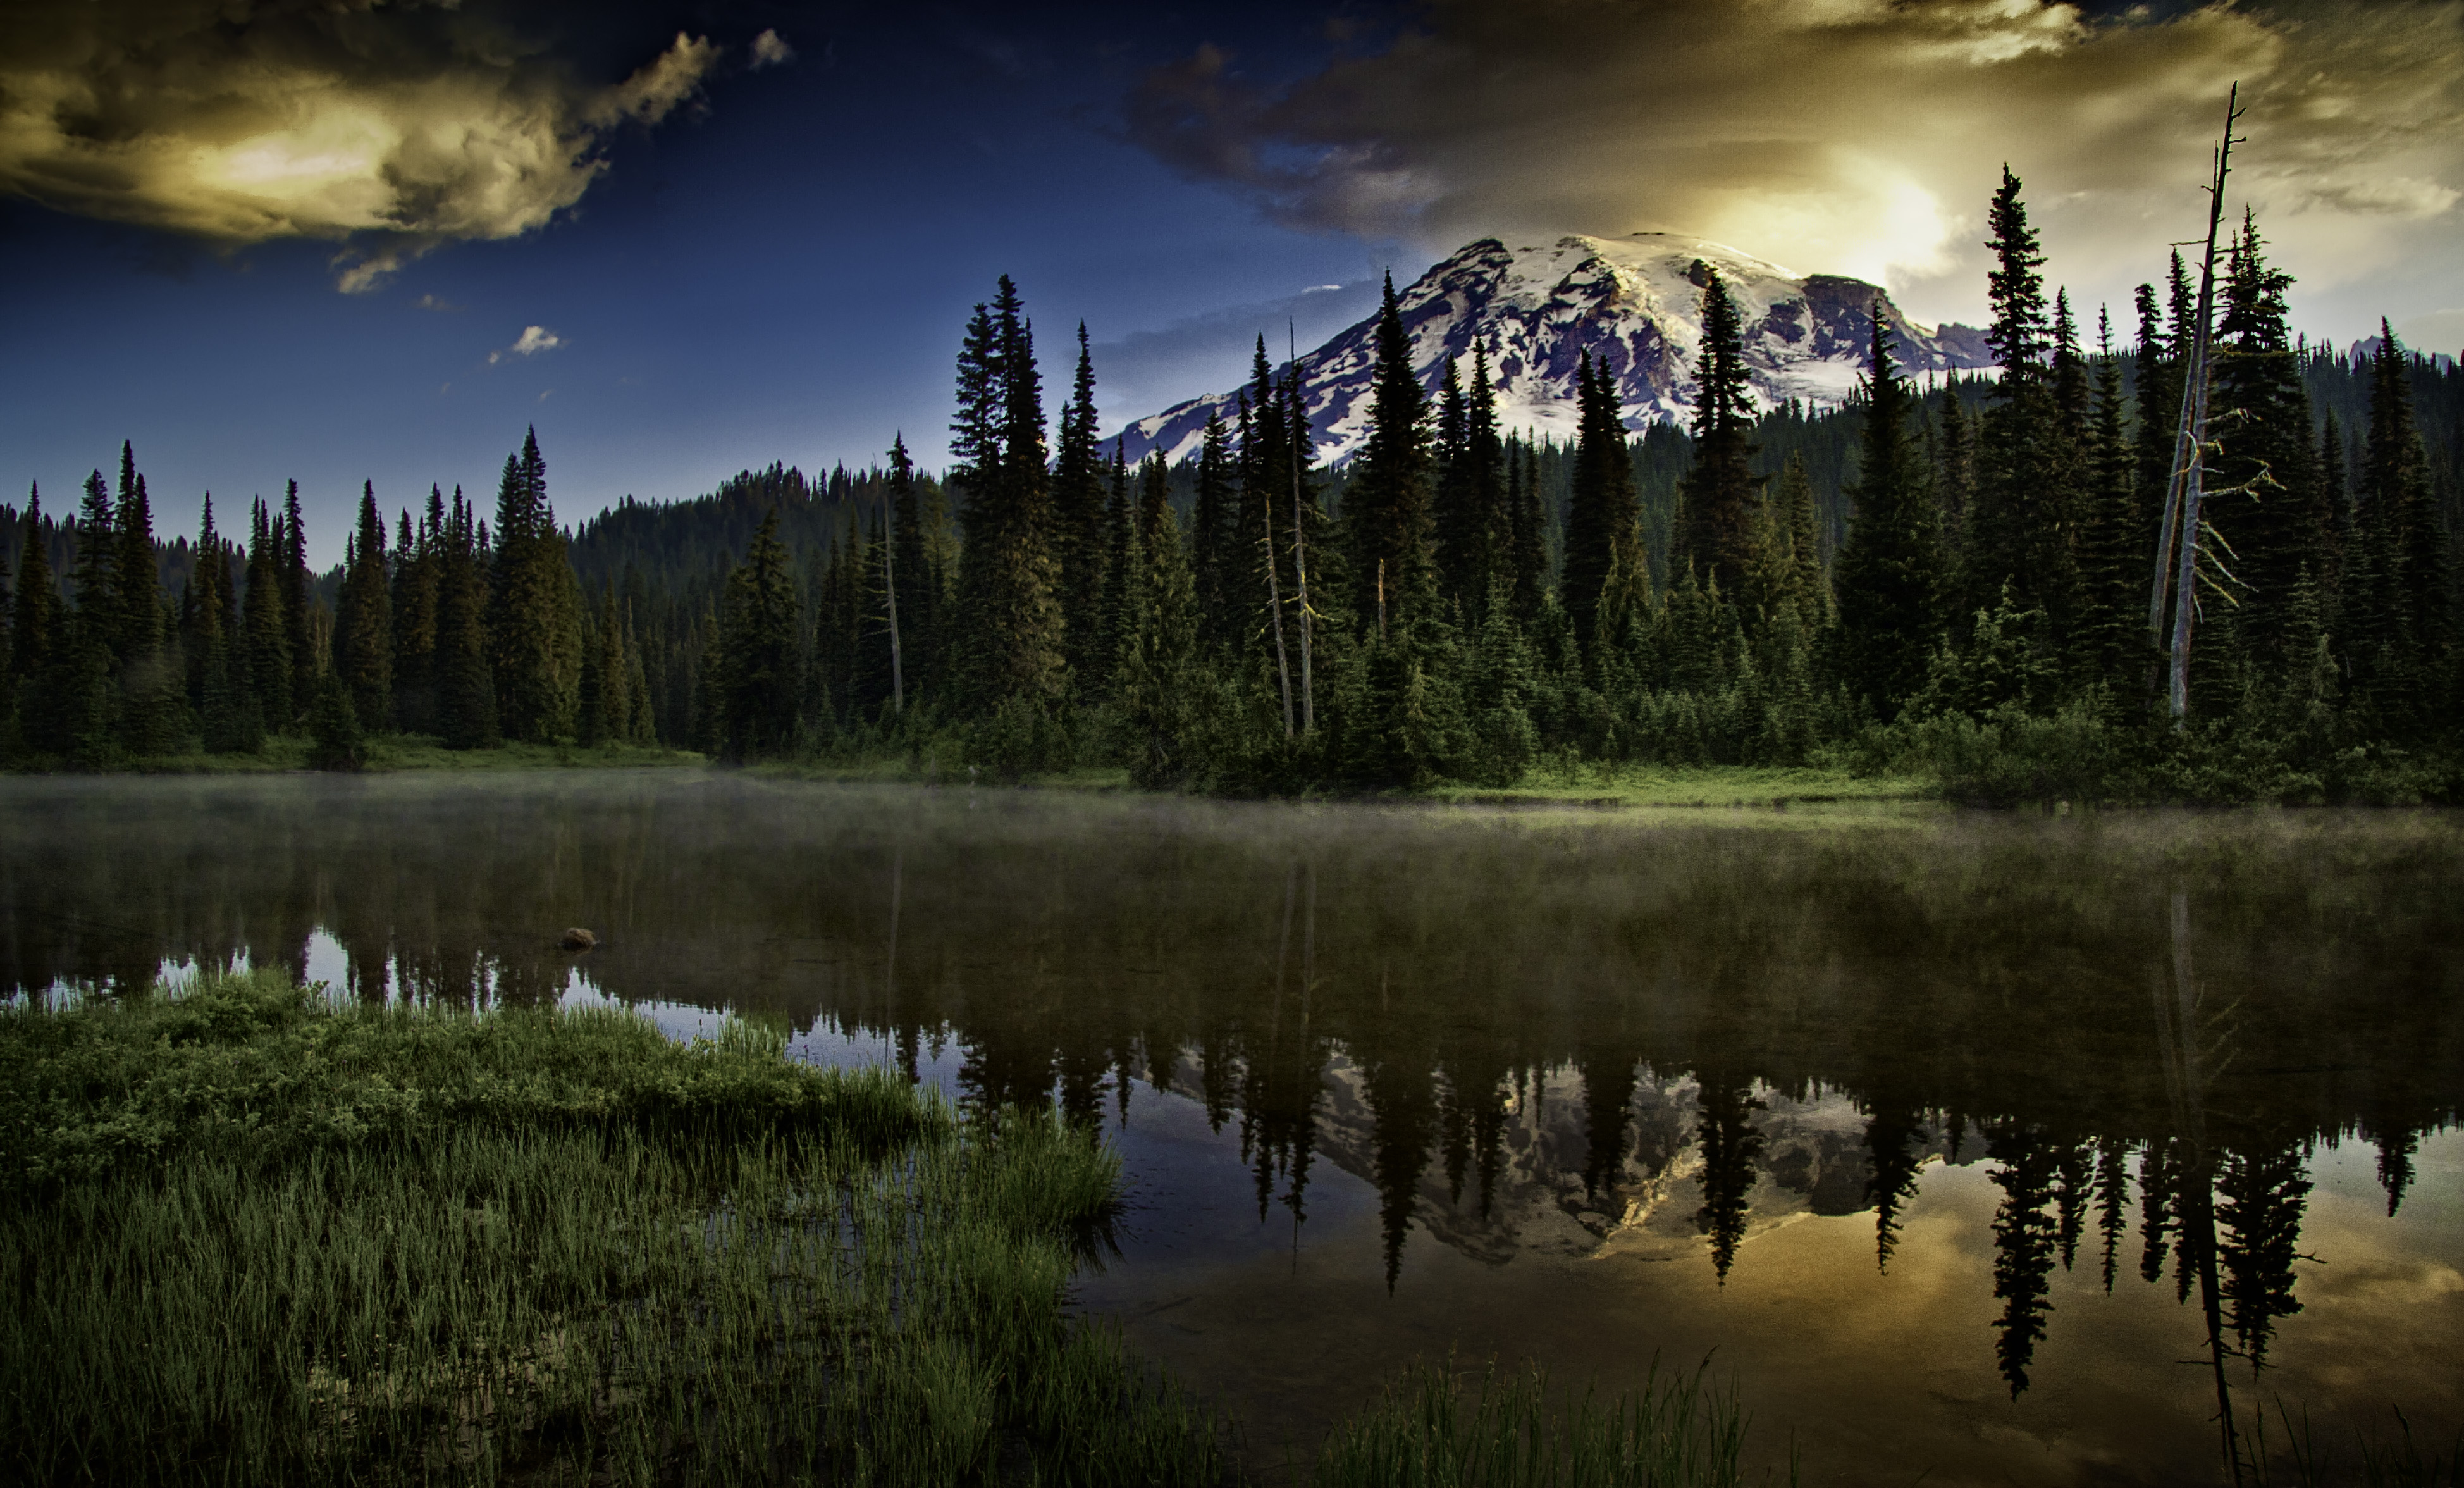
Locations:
(1962, 580)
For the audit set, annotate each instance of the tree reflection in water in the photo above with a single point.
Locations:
(1630, 1024)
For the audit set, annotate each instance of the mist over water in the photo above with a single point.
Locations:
(2003, 1148)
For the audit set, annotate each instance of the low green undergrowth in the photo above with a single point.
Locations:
(247, 1236)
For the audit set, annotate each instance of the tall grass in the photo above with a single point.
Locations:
(246, 1236)
(1433, 1430)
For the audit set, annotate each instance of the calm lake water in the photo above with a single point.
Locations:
(1975, 1149)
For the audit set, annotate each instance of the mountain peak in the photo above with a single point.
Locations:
(1633, 302)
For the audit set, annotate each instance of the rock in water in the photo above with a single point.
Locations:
(578, 939)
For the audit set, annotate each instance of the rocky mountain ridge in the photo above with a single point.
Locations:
(1635, 303)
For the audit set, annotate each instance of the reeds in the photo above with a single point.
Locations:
(1433, 1428)
(250, 1237)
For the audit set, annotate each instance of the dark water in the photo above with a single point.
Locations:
(1980, 1149)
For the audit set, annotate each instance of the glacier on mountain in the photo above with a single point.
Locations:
(1635, 303)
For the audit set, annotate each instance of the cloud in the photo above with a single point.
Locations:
(534, 340)
(391, 128)
(1848, 136)
(770, 49)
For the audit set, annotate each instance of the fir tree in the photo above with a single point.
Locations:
(1157, 677)
(1602, 510)
(1078, 519)
(2261, 499)
(417, 583)
(364, 649)
(2107, 640)
(1528, 525)
(34, 609)
(138, 593)
(759, 659)
(1891, 577)
(533, 630)
(1119, 520)
(1954, 479)
(466, 693)
(1807, 583)
(1013, 629)
(1715, 534)
(266, 640)
(299, 628)
(2019, 534)
(1386, 513)
(2413, 602)
(1213, 541)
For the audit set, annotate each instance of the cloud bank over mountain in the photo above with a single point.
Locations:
(1854, 137)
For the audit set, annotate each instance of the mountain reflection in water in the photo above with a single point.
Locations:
(1570, 1035)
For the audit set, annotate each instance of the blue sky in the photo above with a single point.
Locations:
(776, 262)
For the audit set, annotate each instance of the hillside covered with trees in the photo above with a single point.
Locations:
(1955, 578)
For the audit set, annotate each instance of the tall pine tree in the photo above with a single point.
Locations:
(1891, 577)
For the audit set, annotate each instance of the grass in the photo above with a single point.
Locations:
(248, 1236)
(1432, 1428)
(389, 752)
(1630, 785)
(252, 1235)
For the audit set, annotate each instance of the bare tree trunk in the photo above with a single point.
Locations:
(1275, 611)
(1300, 534)
(2180, 526)
(890, 584)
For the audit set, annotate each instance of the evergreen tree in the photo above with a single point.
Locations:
(533, 630)
(2262, 498)
(1602, 510)
(363, 647)
(1891, 577)
(1157, 676)
(2019, 534)
(915, 594)
(95, 578)
(1386, 513)
(1119, 533)
(1807, 583)
(300, 627)
(266, 637)
(138, 593)
(1078, 520)
(1013, 629)
(1954, 479)
(417, 585)
(2409, 554)
(34, 612)
(759, 660)
(1528, 525)
(2108, 638)
(1715, 533)
(465, 681)
(1213, 541)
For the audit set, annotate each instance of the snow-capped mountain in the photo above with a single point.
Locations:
(1635, 303)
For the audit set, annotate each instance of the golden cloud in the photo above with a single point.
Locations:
(1847, 136)
(242, 122)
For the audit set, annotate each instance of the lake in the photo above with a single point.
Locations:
(1968, 1147)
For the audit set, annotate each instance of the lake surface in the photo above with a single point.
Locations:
(1970, 1148)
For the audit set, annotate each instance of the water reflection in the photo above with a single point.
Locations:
(1577, 1035)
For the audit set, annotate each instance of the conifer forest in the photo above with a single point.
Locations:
(1961, 577)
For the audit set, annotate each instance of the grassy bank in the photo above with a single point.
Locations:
(250, 1238)
(384, 752)
(253, 1236)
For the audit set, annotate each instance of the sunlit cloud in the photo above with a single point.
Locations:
(770, 49)
(392, 129)
(534, 340)
(1858, 137)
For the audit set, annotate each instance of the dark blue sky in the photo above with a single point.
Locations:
(780, 274)
(777, 261)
